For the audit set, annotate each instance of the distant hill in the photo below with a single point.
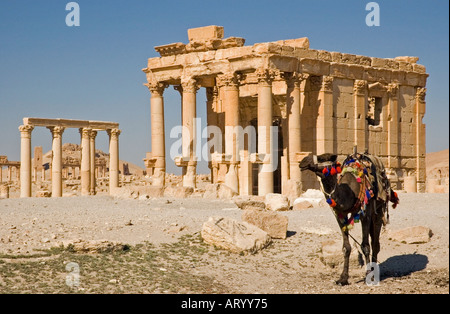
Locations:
(437, 164)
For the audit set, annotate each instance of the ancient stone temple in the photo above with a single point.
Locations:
(276, 102)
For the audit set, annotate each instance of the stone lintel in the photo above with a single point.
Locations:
(66, 123)
(206, 55)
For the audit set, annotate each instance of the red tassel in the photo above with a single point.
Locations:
(338, 169)
(333, 171)
(325, 171)
(333, 203)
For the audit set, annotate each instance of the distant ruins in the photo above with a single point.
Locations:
(89, 166)
(12, 167)
(320, 101)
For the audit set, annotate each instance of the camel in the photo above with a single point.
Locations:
(353, 192)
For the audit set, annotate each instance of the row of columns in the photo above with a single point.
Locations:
(229, 91)
(88, 178)
(10, 173)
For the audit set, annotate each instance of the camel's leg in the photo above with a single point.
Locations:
(366, 220)
(346, 249)
(375, 230)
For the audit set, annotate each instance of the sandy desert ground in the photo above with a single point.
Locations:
(167, 255)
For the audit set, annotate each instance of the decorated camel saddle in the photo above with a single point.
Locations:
(369, 171)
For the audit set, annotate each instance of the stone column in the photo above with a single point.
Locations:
(25, 160)
(92, 177)
(1, 174)
(293, 102)
(392, 127)
(420, 139)
(113, 158)
(325, 129)
(57, 132)
(212, 123)
(189, 112)
(229, 82)
(265, 141)
(158, 135)
(360, 123)
(85, 161)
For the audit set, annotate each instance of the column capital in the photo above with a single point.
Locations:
(360, 87)
(392, 89)
(156, 88)
(229, 79)
(421, 92)
(327, 83)
(114, 133)
(93, 135)
(265, 75)
(294, 79)
(57, 131)
(322, 83)
(25, 130)
(85, 132)
(189, 84)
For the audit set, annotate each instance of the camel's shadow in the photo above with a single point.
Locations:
(402, 265)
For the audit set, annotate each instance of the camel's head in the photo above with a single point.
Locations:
(317, 163)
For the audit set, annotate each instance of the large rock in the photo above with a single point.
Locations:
(277, 202)
(178, 191)
(250, 202)
(412, 235)
(234, 236)
(211, 191)
(311, 196)
(331, 254)
(273, 223)
(302, 205)
(225, 192)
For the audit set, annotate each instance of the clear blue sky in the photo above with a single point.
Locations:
(93, 71)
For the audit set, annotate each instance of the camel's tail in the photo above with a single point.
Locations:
(393, 197)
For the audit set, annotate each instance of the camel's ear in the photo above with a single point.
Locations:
(326, 157)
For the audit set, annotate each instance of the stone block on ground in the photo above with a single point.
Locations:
(237, 237)
(225, 192)
(412, 235)
(178, 191)
(311, 196)
(211, 191)
(331, 254)
(250, 202)
(301, 205)
(43, 194)
(273, 223)
(276, 202)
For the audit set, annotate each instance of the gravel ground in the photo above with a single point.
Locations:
(28, 226)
